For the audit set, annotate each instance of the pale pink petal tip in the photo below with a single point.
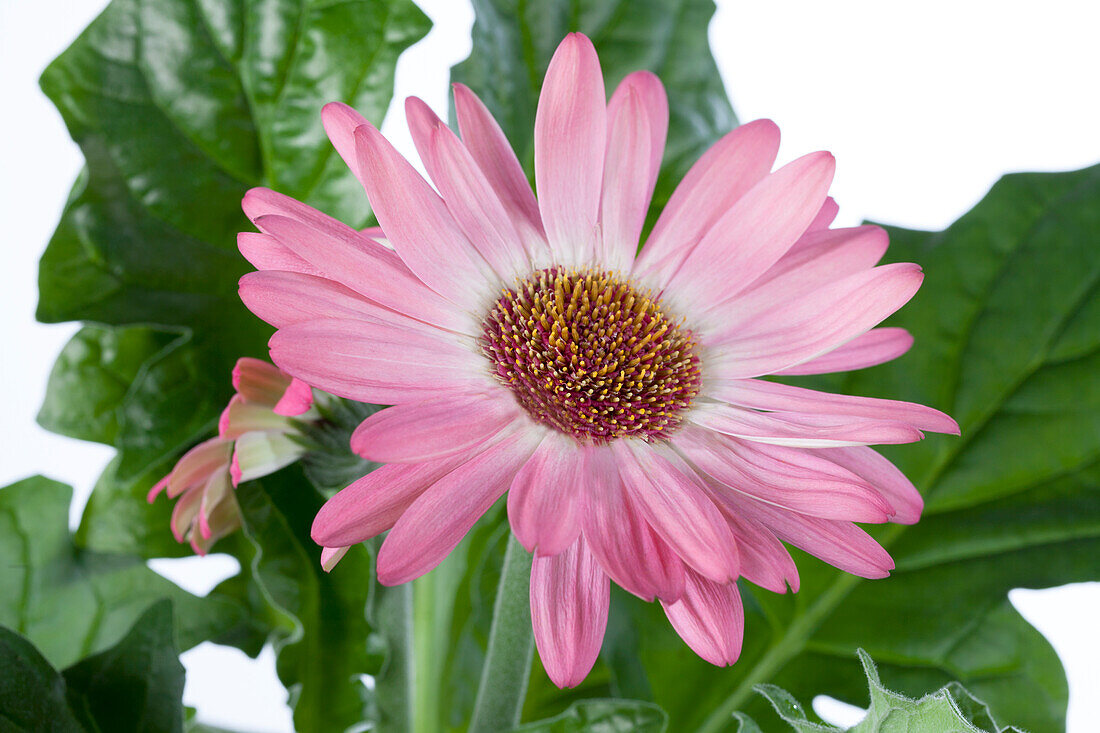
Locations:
(235, 470)
(199, 548)
(204, 526)
(223, 420)
(158, 487)
(258, 381)
(330, 556)
(297, 399)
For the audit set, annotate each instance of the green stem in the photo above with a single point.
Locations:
(789, 646)
(426, 690)
(511, 647)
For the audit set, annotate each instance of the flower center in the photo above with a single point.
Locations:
(592, 356)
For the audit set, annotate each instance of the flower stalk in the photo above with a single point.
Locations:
(511, 646)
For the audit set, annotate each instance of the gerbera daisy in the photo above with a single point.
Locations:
(255, 438)
(529, 348)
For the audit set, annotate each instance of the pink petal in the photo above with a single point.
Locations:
(884, 476)
(340, 122)
(626, 546)
(198, 464)
(434, 428)
(224, 518)
(366, 267)
(754, 233)
(372, 504)
(297, 399)
(375, 362)
(772, 396)
(286, 298)
(841, 544)
(440, 517)
(261, 202)
(259, 381)
(728, 170)
(157, 489)
(467, 193)
(261, 453)
(791, 484)
(634, 150)
(265, 252)
(825, 257)
(809, 326)
(418, 224)
(764, 559)
(214, 492)
(570, 597)
(544, 498)
(710, 619)
(570, 137)
(236, 475)
(283, 298)
(241, 416)
(488, 146)
(801, 430)
(825, 215)
(651, 93)
(675, 504)
(184, 513)
(875, 347)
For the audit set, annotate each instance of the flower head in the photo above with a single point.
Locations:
(255, 438)
(528, 347)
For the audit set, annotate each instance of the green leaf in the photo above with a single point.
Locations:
(1007, 330)
(744, 724)
(791, 711)
(603, 716)
(179, 107)
(137, 685)
(119, 519)
(973, 709)
(322, 639)
(71, 602)
(514, 40)
(91, 379)
(32, 693)
(951, 709)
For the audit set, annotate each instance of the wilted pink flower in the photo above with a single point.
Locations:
(255, 438)
(529, 349)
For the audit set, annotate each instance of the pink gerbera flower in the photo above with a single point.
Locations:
(528, 348)
(256, 437)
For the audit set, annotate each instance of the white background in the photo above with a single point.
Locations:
(924, 104)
